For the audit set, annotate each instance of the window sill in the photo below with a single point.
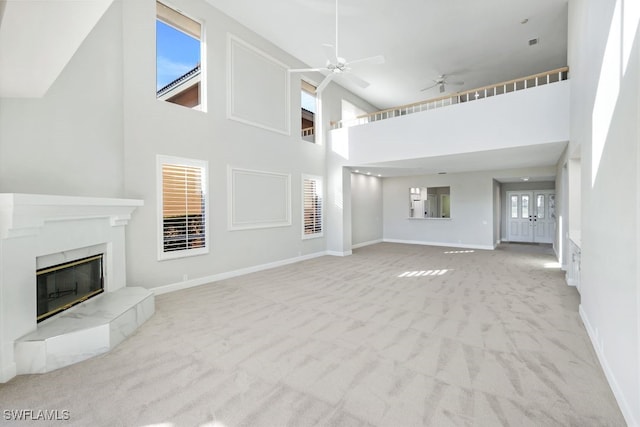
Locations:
(164, 256)
(312, 236)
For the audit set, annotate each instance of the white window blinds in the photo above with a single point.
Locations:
(312, 207)
(184, 208)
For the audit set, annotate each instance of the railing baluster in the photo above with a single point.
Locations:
(466, 96)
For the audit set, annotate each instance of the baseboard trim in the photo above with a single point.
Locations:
(617, 392)
(441, 244)
(369, 243)
(570, 281)
(230, 274)
(337, 253)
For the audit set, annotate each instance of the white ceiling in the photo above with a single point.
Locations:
(523, 159)
(37, 40)
(478, 42)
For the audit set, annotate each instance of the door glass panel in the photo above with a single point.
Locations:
(514, 206)
(525, 206)
(540, 205)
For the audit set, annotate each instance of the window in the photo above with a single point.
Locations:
(540, 205)
(182, 199)
(178, 58)
(431, 202)
(311, 207)
(308, 111)
(514, 206)
(525, 206)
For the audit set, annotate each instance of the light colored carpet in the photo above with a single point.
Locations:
(394, 335)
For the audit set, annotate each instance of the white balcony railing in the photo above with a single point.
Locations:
(535, 80)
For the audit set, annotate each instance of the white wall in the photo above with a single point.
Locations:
(471, 222)
(497, 212)
(98, 131)
(510, 120)
(476, 207)
(152, 127)
(70, 142)
(338, 184)
(605, 65)
(366, 209)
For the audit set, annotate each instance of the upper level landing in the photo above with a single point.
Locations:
(475, 121)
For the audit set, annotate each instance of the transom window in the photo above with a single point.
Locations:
(179, 73)
(308, 111)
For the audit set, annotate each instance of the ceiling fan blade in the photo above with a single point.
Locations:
(304, 70)
(455, 83)
(330, 53)
(428, 87)
(378, 59)
(324, 83)
(355, 79)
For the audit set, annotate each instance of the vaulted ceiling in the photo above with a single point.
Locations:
(37, 40)
(477, 42)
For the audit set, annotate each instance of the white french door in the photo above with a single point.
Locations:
(531, 216)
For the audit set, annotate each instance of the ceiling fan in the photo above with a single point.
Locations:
(441, 81)
(337, 65)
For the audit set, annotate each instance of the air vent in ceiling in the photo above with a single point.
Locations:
(533, 42)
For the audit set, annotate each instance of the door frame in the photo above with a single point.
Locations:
(550, 218)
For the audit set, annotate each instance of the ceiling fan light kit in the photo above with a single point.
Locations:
(337, 65)
(441, 81)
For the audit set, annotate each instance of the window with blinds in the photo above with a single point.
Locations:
(311, 207)
(183, 190)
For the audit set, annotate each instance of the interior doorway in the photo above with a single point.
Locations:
(531, 216)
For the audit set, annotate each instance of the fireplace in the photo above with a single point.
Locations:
(57, 251)
(64, 285)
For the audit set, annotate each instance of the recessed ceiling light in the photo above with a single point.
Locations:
(379, 176)
(356, 171)
(368, 173)
(525, 178)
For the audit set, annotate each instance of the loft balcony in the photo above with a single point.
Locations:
(533, 110)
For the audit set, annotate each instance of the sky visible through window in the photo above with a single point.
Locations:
(308, 101)
(176, 54)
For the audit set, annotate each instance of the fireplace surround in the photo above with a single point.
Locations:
(38, 232)
(62, 286)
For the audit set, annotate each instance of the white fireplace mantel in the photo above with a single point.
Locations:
(22, 213)
(44, 228)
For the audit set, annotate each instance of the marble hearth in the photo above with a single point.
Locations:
(37, 231)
